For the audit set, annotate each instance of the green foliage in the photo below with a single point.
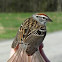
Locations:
(12, 21)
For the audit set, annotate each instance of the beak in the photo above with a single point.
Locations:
(49, 20)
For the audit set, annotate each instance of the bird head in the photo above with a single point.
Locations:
(42, 18)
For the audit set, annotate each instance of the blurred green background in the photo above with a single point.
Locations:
(14, 12)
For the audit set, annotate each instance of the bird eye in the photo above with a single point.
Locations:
(37, 16)
(43, 17)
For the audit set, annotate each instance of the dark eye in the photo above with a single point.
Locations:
(37, 16)
(43, 17)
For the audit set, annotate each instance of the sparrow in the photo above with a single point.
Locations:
(31, 33)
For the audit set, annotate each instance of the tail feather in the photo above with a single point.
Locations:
(21, 56)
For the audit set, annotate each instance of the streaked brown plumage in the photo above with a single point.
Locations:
(29, 37)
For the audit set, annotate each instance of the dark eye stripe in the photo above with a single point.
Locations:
(40, 17)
